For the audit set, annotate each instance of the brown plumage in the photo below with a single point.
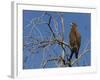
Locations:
(74, 40)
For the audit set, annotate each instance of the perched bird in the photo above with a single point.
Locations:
(74, 40)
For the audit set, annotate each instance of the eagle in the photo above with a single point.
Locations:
(74, 41)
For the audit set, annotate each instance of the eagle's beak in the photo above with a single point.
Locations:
(71, 24)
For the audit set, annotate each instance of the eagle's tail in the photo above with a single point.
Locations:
(76, 54)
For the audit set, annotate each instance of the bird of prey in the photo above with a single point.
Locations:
(74, 40)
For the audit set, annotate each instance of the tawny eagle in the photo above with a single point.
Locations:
(74, 40)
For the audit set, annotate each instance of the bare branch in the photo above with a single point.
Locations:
(51, 59)
(62, 22)
(51, 28)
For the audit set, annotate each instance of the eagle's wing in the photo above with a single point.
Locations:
(78, 39)
(72, 39)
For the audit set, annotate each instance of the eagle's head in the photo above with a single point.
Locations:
(73, 24)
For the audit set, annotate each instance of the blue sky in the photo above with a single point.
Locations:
(31, 19)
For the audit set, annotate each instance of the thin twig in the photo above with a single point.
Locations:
(51, 28)
(51, 59)
(62, 22)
